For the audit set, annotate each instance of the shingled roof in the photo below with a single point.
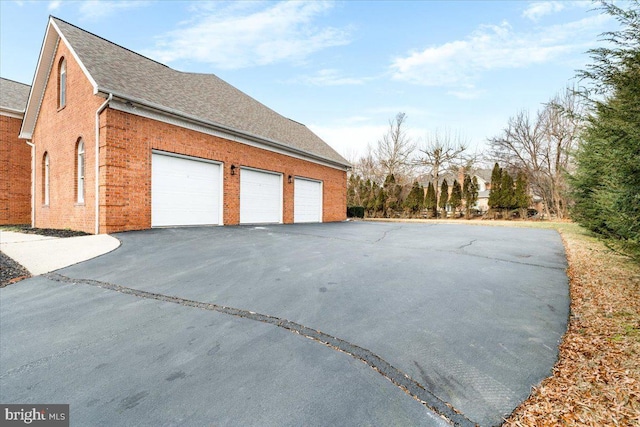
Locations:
(205, 97)
(13, 95)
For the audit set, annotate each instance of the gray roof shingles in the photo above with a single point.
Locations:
(202, 96)
(13, 95)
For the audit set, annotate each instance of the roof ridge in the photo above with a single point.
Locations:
(15, 81)
(110, 42)
(294, 121)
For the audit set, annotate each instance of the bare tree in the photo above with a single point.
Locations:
(520, 147)
(368, 168)
(562, 118)
(440, 152)
(395, 150)
(541, 148)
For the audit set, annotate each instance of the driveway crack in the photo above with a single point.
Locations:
(384, 234)
(467, 244)
(396, 376)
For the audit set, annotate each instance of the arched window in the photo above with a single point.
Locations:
(45, 179)
(80, 169)
(62, 83)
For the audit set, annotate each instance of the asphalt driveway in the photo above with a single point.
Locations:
(194, 326)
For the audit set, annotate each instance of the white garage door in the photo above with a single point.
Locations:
(307, 205)
(260, 197)
(184, 191)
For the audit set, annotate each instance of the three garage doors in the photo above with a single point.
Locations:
(189, 191)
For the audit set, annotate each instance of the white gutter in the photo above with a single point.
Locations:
(97, 156)
(33, 183)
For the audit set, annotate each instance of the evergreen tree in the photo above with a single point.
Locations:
(606, 184)
(372, 199)
(495, 193)
(415, 200)
(380, 202)
(522, 200)
(469, 193)
(353, 186)
(389, 180)
(368, 197)
(507, 193)
(393, 193)
(444, 197)
(430, 200)
(455, 201)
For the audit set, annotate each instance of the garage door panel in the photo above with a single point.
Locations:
(184, 191)
(260, 197)
(307, 201)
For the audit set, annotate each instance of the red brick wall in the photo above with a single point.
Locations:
(126, 142)
(129, 139)
(57, 132)
(15, 174)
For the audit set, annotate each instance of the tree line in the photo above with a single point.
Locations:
(393, 199)
(579, 154)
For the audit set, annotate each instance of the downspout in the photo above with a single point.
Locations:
(97, 156)
(33, 183)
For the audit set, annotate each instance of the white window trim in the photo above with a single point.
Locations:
(80, 159)
(46, 178)
(62, 90)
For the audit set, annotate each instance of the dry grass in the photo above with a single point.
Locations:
(596, 381)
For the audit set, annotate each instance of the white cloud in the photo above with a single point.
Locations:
(467, 93)
(460, 63)
(53, 5)
(331, 77)
(95, 9)
(248, 34)
(538, 9)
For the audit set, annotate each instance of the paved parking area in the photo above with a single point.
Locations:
(194, 326)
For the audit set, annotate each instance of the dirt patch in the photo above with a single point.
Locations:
(51, 232)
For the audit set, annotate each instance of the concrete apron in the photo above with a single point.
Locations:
(43, 254)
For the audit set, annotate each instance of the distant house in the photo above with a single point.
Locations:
(484, 188)
(122, 142)
(483, 176)
(15, 155)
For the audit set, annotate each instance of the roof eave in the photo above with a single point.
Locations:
(11, 112)
(216, 126)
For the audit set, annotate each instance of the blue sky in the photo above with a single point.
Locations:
(345, 68)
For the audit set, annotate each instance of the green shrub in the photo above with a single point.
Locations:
(355, 211)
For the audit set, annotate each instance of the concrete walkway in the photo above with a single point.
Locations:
(43, 254)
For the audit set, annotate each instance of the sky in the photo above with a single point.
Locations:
(346, 68)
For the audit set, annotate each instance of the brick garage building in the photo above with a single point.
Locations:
(167, 147)
(15, 155)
